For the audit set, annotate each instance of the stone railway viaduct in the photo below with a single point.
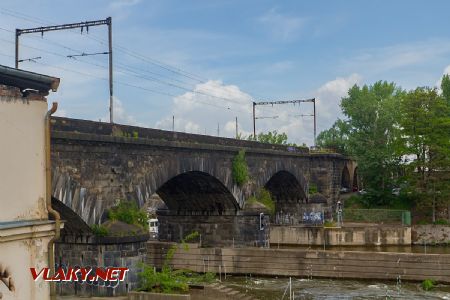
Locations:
(95, 165)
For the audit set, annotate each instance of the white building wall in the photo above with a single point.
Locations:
(22, 159)
(25, 230)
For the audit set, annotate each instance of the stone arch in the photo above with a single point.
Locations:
(345, 178)
(286, 190)
(73, 195)
(74, 224)
(197, 193)
(198, 168)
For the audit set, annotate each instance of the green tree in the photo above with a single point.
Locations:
(425, 136)
(271, 137)
(335, 138)
(372, 113)
(445, 87)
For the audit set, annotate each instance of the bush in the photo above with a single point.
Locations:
(169, 281)
(441, 222)
(99, 230)
(313, 189)
(240, 168)
(128, 212)
(264, 197)
(354, 201)
(428, 284)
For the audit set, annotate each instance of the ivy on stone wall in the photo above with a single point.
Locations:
(240, 168)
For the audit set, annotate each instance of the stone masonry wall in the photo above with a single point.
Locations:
(128, 254)
(240, 230)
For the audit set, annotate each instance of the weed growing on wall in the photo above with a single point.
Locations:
(169, 281)
(99, 230)
(264, 197)
(240, 168)
(128, 212)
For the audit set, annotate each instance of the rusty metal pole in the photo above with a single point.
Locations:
(111, 104)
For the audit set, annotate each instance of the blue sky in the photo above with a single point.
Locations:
(208, 60)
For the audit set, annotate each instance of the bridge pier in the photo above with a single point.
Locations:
(242, 229)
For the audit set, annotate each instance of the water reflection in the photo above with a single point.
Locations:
(273, 288)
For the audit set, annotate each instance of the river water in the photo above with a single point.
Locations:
(274, 288)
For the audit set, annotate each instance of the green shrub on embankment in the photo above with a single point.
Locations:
(169, 281)
(128, 212)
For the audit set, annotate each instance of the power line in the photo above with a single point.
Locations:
(172, 69)
(280, 102)
(136, 74)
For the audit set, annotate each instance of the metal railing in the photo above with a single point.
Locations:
(380, 216)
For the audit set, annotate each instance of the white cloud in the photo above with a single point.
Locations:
(194, 115)
(121, 116)
(383, 59)
(329, 97)
(209, 104)
(281, 26)
(438, 83)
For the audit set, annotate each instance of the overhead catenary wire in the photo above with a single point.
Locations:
(136, 74)
(172, 69)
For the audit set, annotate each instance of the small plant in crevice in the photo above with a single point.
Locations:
(428, 284)
(240, 169)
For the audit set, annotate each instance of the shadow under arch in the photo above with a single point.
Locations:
(197, 193)
(345, 178)
(286, 190)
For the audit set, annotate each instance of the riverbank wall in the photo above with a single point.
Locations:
(379, 235)
(305, 263)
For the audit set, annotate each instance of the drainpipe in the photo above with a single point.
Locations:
(54, 213)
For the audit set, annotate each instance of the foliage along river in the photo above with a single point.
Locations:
(306, 289)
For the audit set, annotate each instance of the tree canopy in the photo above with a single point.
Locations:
(397, 137)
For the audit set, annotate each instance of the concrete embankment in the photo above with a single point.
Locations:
(306, 263)
(357, 235)
(431, 234)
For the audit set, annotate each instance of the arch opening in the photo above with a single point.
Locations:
(285, 190)
(197, 193)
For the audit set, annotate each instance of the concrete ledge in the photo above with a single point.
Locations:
(342, 236)
(157, 296)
